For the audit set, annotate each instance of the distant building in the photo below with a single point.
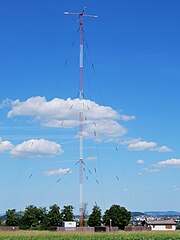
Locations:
(162, 225)
(69, 225)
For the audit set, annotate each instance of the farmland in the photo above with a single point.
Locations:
(42, 235)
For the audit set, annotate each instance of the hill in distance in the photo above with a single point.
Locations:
(18, 215)
(162, 213)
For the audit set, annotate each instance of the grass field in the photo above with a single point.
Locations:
(42, 235)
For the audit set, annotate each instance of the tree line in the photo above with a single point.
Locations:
(40, 218)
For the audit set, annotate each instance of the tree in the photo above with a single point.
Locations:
(11, 218)
(67, 213)
(43, 221)
(178, 227)
(54, 215)
(34, 218)
(95, 217)
(118, 216)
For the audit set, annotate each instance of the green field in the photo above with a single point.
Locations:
(42, 235)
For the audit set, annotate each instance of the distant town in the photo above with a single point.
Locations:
(137, 218)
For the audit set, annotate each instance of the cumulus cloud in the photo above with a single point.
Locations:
(124, 117)
(162, 149)
(60, 171)
(147, 170)
(140, 161)
(37, 148)
(130, 141)
(175, 188)
(171, 163)
(60, 113)
(6, 103)
(91, 158)
(152, 170)
(138, 144)
(64, 109)
(5, 146)
(104, 129)
(141, 145)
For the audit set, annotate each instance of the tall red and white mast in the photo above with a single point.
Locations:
(81, 96)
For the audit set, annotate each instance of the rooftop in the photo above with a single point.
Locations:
(162, 222)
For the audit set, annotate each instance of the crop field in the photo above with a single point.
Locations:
(42, 235)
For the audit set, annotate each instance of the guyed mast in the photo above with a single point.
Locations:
(81, 117)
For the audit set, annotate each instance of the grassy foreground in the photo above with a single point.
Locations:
(121, 235)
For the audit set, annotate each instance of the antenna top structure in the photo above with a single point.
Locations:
(81, 14)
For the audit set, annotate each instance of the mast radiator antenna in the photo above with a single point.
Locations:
(81, 95)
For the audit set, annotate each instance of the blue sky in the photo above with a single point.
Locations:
(131, 106)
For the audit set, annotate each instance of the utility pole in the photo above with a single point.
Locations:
(81, 118)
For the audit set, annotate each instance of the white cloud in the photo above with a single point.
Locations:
(64, 109)
(6, 103)
(175, 188)
(140, 161)
(147, 170)
(152, 170)
(162, 149)
(59, 113)
(91, 158)
(127, 142)
(172, 163)
(104, 129)
(138, 144)
(141, 145)
(127, 118)
(5, 146)
(37, 148)
(126, 190)
(54, 123)
(60, 171)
